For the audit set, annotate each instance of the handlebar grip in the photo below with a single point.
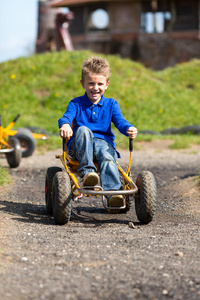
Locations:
(64, 145)
(17, 117)
(130, 145)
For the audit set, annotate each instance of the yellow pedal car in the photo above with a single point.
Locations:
(16, 144)
(62, 186)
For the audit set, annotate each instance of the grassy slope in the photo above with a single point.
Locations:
(40, 87)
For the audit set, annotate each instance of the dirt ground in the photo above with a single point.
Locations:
(98, 255)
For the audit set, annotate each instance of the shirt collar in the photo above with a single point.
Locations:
(89, 103)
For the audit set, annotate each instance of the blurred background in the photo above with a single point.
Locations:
(158, 33)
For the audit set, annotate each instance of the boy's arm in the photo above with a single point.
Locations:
(121, 123)
(65, 123)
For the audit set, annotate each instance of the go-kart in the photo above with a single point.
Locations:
(17, 143)
(62, 186)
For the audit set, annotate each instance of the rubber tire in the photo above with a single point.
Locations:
(145, 198)
(170, 131)
(27, 141)
(129, 201)
(24, 130)
(50, 173)
(14, 157)
(36, 129)
(61, 195)
(149, 132)
(192, 129)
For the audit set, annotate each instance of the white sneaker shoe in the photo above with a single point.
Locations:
(115, 201)
(90, 179)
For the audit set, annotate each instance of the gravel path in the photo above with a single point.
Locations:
(99, 256)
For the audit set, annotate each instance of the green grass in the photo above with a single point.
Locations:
(178, 141)
(40, 87)
(4, 177)
(54, 142)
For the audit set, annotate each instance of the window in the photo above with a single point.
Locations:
(100, 19)
(160, 16)
(155, 21)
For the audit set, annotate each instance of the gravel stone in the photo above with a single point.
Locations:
(98, 255)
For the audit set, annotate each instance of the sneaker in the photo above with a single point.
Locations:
(115, 201)
(90, 179)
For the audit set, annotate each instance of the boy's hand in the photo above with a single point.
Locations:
(132, 132)
(65, 131)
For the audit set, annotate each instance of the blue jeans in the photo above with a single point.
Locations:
(87, 149)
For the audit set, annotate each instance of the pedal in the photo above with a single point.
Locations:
(93, 188)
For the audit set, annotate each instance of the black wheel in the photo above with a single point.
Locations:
(35, 129)
(48, 187)
(128, 198)
(145, 198)
(27, 141)
(14, 157)
(61, 196)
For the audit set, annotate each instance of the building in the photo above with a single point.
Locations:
(157, 33)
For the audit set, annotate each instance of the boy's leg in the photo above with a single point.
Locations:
(81, 148)
(106, 157)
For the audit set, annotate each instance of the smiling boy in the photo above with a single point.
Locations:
(91, 139)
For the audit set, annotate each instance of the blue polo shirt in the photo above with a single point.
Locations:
(97, 117)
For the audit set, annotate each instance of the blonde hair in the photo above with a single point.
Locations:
(96, 65)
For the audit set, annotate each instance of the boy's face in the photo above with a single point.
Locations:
(95, 86)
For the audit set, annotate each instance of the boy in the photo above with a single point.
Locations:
(91, 139)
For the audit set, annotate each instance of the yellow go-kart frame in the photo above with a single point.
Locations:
(62, 186)
(71, 166)
(17, 143)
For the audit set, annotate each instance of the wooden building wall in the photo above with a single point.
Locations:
(126, 33)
